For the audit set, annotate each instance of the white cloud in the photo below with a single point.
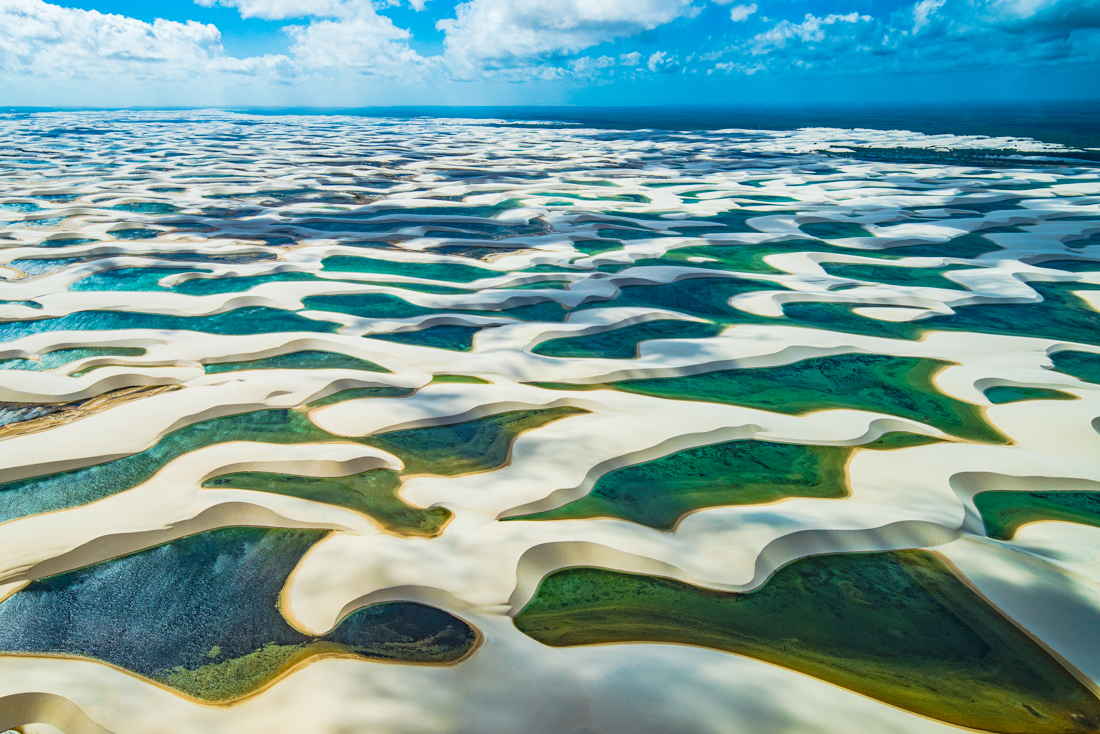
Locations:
(631, 59)
(811, 29)
(922, 10)
(368, 43)
(739, 13)
(37, 38)
(342, 35)
(495, 34)
(281, 9)
(590, 66)
(661, 61)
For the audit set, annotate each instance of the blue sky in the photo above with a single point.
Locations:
(501, 52)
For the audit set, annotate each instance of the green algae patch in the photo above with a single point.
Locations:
(469, 447)
(702, 297)
(835, 230)
(1002, 394)
(304, 360)
(743, 258)
(1061, 315)
(894, 274)
(1006, 512)
(75, 487)
(1082, 365)
(899, 627)
(900, 386)
(478, 445)
(200, 615)
(661, 492)
(372, 493)
(899, 440)
(237, 677)
(965, 247)
(466, 379)
(359, 393)
(624, 342)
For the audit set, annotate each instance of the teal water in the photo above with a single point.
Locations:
(454, 338)
(250, 320)
(62, 357)
(129, 279)
(624, 342)
(306, 360)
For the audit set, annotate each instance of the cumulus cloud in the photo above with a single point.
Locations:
(546, 39)
(739, 13)
(661, 61)
(922, 10)
(366, 43)
(37, 38)
(811, 29)
(927, 35)
(281, 9)
(495, 34)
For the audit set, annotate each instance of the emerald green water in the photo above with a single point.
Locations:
(624, 342)
(597, 247)
(477, 445)
(422, 287)
(385, 306)
(835, 230)
(740, 258)
(465, 448)
(1002, 394)
(967, 247)
(705, 298)
(357, 393)
(1061, 316)
(1082, 365)
(661, 492)
(467, 379)
(455, 338)
(898, 627)
(895, 274)
(50, 492)
(372, 493)
(1005, 512)
(900, 386)
(305, 360)
(201, 616)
